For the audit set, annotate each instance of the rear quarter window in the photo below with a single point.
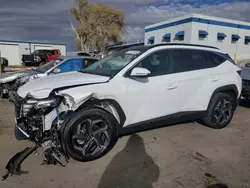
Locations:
(215, 59)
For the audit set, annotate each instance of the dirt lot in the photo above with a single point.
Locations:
(188, 155)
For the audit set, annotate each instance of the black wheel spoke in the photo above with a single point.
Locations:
(101, 130)
(87, 146)
(89, 127)
(80, 137)
(91, 137)
(222, 111)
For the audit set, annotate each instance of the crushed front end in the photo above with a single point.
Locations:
(39, 120)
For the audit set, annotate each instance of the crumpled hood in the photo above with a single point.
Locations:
(41, 88)
(245, 73)
(14, 75)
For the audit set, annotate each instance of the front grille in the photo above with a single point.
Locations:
(28, 58)
(245, 83)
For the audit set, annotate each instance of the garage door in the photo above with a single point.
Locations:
(11, 52)
(41, 47)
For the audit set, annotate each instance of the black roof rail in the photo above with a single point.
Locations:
(181, 44)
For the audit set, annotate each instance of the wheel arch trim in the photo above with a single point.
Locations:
(227, 88)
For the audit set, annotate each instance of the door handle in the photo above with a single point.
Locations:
(215, 79)
(172, 86)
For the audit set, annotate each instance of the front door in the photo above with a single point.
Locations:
(155, 96)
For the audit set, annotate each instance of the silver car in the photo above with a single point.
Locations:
(11, 82)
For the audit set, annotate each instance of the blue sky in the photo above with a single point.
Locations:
(49, 20)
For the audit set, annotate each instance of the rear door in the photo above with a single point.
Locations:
(195, 78)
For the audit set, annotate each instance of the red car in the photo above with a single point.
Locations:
(40, 57)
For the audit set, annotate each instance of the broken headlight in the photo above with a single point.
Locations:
(42, 106)
(51, 102)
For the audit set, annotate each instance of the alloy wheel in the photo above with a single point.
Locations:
(222, 112)
(91, 137)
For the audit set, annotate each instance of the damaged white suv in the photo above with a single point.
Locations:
(82, 114)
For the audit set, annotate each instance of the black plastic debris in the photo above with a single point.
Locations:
(217, 185)
(51, 157)
(14, 164)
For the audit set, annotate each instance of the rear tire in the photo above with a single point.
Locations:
(220, 111)
(90, 134)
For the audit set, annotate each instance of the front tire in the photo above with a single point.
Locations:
(90, 134)
(220, 111)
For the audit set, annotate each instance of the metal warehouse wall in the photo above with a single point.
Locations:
(237, 49)
(13, 50)
(192, 23)
(62, 48)
(158, 34)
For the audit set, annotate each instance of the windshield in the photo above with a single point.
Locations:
(40, 52)
(113, 63)
(49, 65)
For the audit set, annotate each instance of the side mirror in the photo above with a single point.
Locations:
(56, 70)
(140, 72)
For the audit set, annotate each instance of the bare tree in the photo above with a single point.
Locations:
(97, 25)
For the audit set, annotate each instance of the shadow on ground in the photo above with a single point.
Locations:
(131, 167)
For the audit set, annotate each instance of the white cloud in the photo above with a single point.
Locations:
(152, 14)
(22, 20)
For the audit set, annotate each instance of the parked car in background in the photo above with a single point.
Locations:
(5, 63)
(40, 57)
(245, 74)
(12, 81)
(132, 90)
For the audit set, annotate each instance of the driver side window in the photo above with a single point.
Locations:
(158, 63)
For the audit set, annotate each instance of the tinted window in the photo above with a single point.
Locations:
(188, 60)
(87, 62)
(157, 63)
(71, 65)
(214, 59)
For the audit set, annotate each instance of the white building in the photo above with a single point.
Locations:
(231, 36)
(13, 50)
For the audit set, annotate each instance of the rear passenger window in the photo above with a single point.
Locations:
(214, 59)
(188, 60)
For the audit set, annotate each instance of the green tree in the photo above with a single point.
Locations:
(98, 24)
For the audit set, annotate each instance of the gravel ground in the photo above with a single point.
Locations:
(187, 155)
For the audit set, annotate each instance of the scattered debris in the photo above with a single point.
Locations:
(209, 175)
(14, 164)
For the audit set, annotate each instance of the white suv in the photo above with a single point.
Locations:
(82, 114)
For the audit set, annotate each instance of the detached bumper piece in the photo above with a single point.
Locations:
(14, 164)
